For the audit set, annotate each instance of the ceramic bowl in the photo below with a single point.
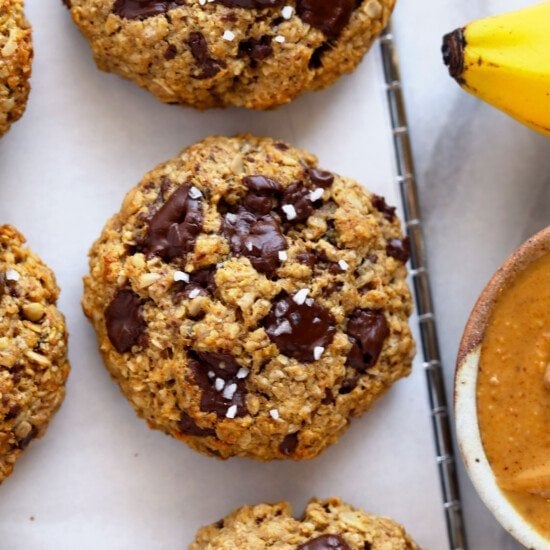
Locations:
(469, 439)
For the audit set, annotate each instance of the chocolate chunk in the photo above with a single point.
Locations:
(325, 542)
(201, 283)
(2, 284)
(256, 49)
(13, 411)
(349, 384)
(174, 228)
(281, 146)
(142, 9)
(288, 444)
(124, 321)
(258, 238)
(297, 327)
(67, 3)
(306, 258)
(170, 52)
(262, 184)
(367, 330)
(263, 194)
(296, 205)
(316, 59)
(321, 178)
(380, 204)
(199, 50)
(329, 16)
(328, 399)
(187, 426)
(257, 4)
(207, 368)
(399, 249)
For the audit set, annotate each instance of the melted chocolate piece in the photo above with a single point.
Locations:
(321, 178)
(399, 249)
(297, 329)
(297, 195)
(306, 258)
(224, 366)
(199, 50)
(2, 284)
(170, 52)
(201, 283)
(349, 384)
(263, 194)
(329, 16)
(187, 426)
(258, 238)
(367, 330)
(142, 9)
(316, 59)
(125, 324)
(13, 411)
(288, 444)
(325, 542)
(258, 4)
(328, 399)
(256, 48)
(380, 204)
(175, 226)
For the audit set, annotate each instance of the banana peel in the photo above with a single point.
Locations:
(505, 61)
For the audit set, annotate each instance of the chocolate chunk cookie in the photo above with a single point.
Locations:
(248, 302)
(325, 525)
(216, 53)
(33, 348)
(15, 62)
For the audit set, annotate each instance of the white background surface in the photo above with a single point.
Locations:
(100, 478)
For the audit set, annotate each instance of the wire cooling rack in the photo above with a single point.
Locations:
(445, 455)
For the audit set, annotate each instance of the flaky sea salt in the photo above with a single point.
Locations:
(242, 373)
(229, 36)
(289, 211)
(300, 296)
(12, 275)
(181, 276)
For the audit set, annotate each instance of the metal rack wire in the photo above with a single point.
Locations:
(419, 272)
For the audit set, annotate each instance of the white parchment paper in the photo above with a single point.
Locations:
(100, 478)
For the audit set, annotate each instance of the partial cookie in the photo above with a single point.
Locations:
(33, 348)
(250, 303)
(15, 62)
(325, 525)
(216, 53)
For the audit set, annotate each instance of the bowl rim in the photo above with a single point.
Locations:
(465, 385)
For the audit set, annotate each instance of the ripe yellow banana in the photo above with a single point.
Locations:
(505, 60)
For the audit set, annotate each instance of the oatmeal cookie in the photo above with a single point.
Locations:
(33, 348)
(216, 53)
(15, 62)
(326, 525)
(250, 303)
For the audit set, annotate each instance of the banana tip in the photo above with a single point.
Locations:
(453, 52)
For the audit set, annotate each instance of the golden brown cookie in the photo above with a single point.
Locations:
(15, 62)
(326, 525)
(248, 302)
(216, 53)
(33, 348)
